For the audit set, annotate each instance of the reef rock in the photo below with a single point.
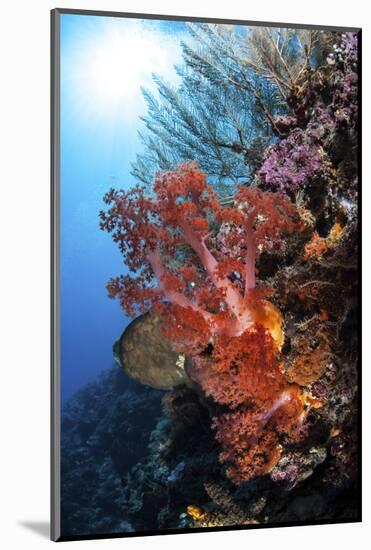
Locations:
(105, 431)
(148, 357)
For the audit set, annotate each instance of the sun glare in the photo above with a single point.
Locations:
(109, 68)
(118, 66)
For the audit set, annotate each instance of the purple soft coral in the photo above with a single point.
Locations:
(292, 163)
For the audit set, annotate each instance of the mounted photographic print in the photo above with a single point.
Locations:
(205, 193)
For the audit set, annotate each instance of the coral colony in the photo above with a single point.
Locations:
(256, 293)
(211, 307)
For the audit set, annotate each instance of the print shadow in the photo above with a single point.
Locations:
(42, 528)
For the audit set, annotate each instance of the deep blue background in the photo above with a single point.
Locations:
(96, 151)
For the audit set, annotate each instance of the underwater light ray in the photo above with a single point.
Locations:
(109, 64)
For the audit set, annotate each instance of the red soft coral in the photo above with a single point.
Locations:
(194, 263)
(251, 436)
(169, 239)
(249, 449)
(241, 370)
(244, 375)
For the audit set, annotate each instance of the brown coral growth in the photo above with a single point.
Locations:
(309, 366)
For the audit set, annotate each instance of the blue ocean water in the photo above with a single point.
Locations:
(101, 103)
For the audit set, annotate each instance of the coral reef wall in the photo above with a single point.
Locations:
(105, 431)
(131, 463)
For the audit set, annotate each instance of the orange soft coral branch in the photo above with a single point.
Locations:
(250, 437)
(242, 370)
(233, 298)
(250, 255)
(249, 449)
(260, 409)
(171, 294)
(317, 246)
